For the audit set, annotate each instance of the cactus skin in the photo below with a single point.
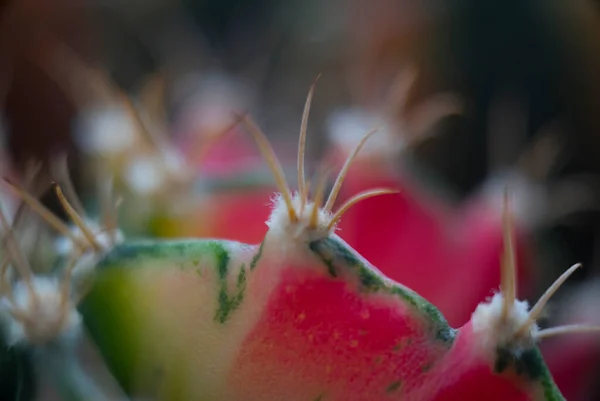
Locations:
(207, 319)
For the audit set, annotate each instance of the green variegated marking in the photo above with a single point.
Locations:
(257, 256)
(228, 304)
(186, 250)
(530, 365)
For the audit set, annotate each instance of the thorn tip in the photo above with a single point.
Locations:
(302, 143)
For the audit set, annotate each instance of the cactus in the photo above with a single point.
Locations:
(302, 316)
(39, 321)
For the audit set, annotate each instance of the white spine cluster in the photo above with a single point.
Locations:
(292, 237)
(36, 309)
(494, 330)
(40, 314)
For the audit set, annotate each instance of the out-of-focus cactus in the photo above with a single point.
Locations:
(39, 320)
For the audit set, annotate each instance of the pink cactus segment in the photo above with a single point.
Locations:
(320, 337)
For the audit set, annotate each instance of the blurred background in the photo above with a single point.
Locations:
(474, 96)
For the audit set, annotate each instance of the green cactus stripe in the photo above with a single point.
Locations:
(222, 257)
(191, 250)
(530, 365)
(338, 257)
(257, 257)
(228, 304)
(551, 391)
